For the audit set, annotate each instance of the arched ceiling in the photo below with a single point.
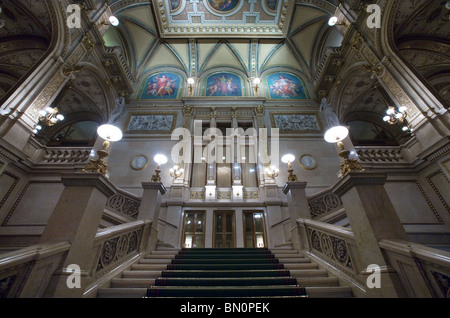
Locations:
(194, 38)
(422, 34)
(24, 39)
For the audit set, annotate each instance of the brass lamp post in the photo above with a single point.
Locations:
(110, 134)
(336, 135)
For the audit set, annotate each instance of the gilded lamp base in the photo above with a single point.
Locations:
(98, 165)
(348, 165)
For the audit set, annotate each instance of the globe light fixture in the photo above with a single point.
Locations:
(176, 171)
(256, 81)
(191, 82)
(110, 134)
(48, 117)
(272, 171)
(114, 21)
(336, 135)
(288, 159)
(332, 21)
(160, 160)
(394, 117)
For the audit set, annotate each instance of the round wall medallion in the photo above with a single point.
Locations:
(139, 162)
(308, 162)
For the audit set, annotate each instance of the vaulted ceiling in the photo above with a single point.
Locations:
(194, 37)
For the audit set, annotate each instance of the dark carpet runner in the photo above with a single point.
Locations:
(232, 272)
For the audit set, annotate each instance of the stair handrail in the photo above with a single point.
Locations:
(332, 244)
(423, 271)
(124, 203)
(25, 273)
(433, 264)
(114, 248)
(324, 202)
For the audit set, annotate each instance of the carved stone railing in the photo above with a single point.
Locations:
(26, 273)
(333, 244)
(324, 202)
(380, 155)
(124, 203)
(433, 280)
(66, 155)
(114, 248)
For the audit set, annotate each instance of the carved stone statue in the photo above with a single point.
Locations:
(117, 111)
(331, 118)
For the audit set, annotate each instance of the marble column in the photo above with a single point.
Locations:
(75, 219)
(298, 208)
(372, 218)
(150, 208)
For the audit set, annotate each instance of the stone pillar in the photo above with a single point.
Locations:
(372, 218)
(75, 219)
(150, 208)
(298, 208)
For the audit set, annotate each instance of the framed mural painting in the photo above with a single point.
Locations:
(285, 86)
(223, 6)
(162, 86)
(223, 84)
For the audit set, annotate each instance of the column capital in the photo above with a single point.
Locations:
(96, 180)
(357, 178)
(293, 185)
(155, 185)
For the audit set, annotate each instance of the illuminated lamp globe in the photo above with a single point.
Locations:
(160, 159)
(114, 21)
(109, 133)
(333, 21)
(288, 158)
(336, 134)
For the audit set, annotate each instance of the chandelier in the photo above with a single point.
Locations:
(394, 117)
(176, 172)
(48, 117)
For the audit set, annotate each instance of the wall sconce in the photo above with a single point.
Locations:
(272, 172)
(397, 117)
(288, 159)
(110, 134)
(334, 21)
(48, 117)
(256, 81)
(160, 160)
(112, 20)
(191, 82)
(336, 135)
(176, 171)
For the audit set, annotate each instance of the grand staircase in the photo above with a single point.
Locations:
(235, 272)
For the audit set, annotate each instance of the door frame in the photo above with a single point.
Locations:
(233, 225)
(244, 212)
(183, 238)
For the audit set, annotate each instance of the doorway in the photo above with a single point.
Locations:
(254, 234)
(194, 229)
(224, 225)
